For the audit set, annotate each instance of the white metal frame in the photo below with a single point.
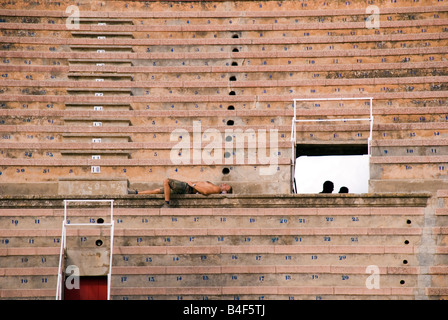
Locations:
(60, 283)
(295, 121)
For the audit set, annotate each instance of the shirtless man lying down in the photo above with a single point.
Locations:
(180, 187)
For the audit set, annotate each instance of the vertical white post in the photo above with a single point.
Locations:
(294, 121)
(293, 143)
(371, 126)
(60, 283)
(109, 276)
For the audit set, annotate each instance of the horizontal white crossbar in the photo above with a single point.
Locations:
(330, 120)
(333, 99)
(60, 283)
(88, 224)
(295, 121)
(88, 200)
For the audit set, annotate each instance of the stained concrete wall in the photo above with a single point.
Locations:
(227, 247)
(165, 65)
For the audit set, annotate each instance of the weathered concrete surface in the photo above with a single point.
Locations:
(90, 261)
(267, 243)
(231, 201)
(93, 186)
(170, 64)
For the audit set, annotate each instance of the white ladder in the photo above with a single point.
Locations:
(295, 121)
(65, 224)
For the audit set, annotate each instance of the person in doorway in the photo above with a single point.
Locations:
(172, 186)
(343, 190)
(328, 187)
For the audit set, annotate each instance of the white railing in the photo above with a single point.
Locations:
(295, 121)
(65, 224)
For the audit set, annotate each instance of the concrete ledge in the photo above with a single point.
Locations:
(95, 186)
(128, 270)
(264, 290)
(158, 232)
(112, 56)
(72, 87)
(230, 212)
(128, 115)
(27, 293)
(36, 188)
(128, 44)
(118, 30)
(207, 98)
(229, 200)
(213, 14)
(407, 185)
(207, 69)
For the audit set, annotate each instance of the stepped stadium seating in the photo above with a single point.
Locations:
(95, 103)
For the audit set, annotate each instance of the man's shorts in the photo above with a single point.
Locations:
(178, 187)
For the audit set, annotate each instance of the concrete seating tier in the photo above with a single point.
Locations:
(304, 249)
(88, 112)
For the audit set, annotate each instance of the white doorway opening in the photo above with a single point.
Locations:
(351, 171)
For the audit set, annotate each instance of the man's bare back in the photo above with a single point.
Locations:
(205, 187)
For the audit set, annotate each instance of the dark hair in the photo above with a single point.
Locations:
(328, 187)
(230, 190)
(343, 190)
